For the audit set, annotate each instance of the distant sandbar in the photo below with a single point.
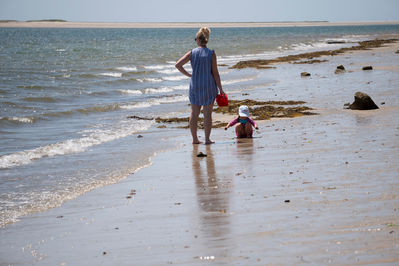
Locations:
(66, 24)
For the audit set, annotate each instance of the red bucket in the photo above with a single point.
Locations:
(222, 100)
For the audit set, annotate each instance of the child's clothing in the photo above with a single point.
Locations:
(242, 121)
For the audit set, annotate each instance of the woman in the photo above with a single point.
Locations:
(204, 84)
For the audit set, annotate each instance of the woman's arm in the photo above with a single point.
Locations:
(215, 73)
(181, 62)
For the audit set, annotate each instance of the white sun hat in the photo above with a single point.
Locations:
(243, 111)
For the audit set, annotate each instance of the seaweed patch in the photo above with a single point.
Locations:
(307, 58)
(260, 110)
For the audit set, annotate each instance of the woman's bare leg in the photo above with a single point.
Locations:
(195, 111)
(208, 123)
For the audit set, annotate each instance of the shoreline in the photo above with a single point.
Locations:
(320, 189)
(55, 24)
(309, 56)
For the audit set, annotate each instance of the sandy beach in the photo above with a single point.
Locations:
(320, 189)
(67, 24)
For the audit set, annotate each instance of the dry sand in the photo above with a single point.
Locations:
(311, 190)
(47, 24)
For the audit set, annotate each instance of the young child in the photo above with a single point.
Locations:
(244, 127)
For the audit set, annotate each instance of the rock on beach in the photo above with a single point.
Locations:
(363, 102)
(340, 69)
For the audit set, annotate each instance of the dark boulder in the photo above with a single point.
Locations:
(362, 102)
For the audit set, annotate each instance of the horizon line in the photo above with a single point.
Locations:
(57, 23)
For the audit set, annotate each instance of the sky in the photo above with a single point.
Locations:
(201, 10)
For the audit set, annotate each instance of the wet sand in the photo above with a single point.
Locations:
(49, 24)
(314, 190)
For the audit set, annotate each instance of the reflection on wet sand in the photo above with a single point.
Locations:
(213, 195)
(245, 150)
(363, 120)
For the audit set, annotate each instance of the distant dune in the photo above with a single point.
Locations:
(58, 23)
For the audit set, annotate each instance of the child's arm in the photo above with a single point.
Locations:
(232, 123)
(253, 123)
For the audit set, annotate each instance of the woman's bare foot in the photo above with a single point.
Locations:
(196, 142)
(209, 142)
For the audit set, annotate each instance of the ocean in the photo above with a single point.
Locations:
(66, 95)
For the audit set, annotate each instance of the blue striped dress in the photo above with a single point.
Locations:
(203, 89)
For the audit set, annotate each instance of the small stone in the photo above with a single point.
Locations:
(305, 74)
(329, 188)
(382, 103)
(139, 136)
(287, 201)
(104, 253)
(341, 67)
(339, 71)
(60, 216)
(367, 68)
(201, 155)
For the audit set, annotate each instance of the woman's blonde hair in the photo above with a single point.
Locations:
(203, 35)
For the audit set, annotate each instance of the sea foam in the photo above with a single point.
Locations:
(174, 78)
(152, 102)
(127, 69)
(70, 146)
(111, 74)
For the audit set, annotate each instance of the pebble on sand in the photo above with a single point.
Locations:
(340, 69)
